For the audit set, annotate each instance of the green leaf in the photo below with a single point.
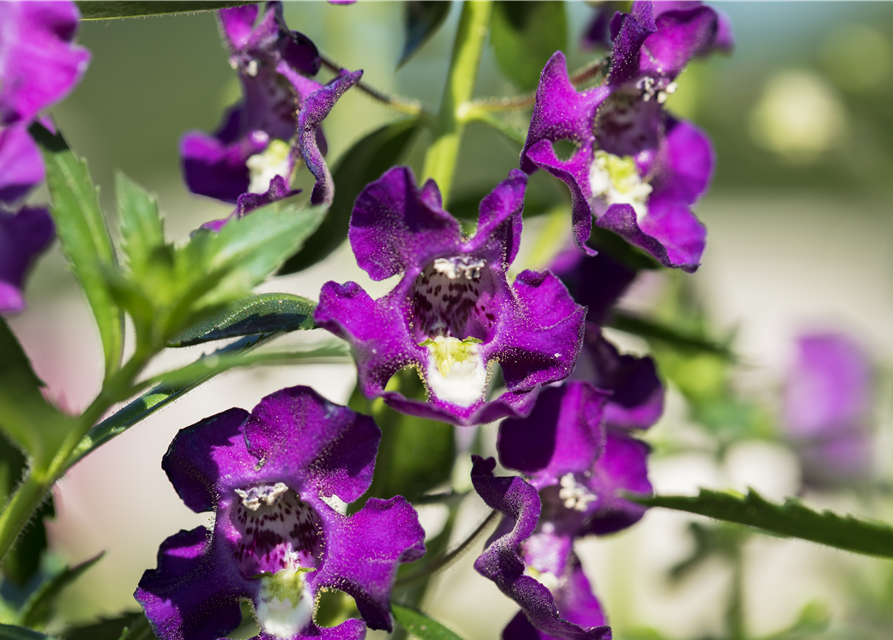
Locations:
(420, 625)
(265, 313)
(364, 162)
(28, 420)
(421, 20)
(94, 10)
(141, 227)
(110, 629)
(10, 632)
(415, 454)
(524, 37)
(85, 239)
(791, 519)
(652, 330)
(39, 608)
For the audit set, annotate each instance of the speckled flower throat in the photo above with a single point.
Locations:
(278, 530)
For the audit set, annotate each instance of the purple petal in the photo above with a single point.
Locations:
(193, 594)
(629, 32)
(597, 34)
(215, 169)
(326, 448)
(681, 35)
(22, 237)
(39, 64)
(279, 190)
(395, 227)
(683, 165)
(498, 234)
(236, 23)
(314, 110)
(637, 395)
(373, 541)
(595, 282)
(21, 167)
(563, 434)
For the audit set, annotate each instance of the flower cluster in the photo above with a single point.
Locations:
(39, 65)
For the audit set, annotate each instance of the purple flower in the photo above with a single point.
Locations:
(637, 170)
(254, 144)
(453, 315)
(596, 282)
(23, 236)
(827, 405)
(39, 62)
(270, 478)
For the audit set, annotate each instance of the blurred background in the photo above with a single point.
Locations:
(800, 232)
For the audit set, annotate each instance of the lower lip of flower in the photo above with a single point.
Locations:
(617, 180)
(456, 372)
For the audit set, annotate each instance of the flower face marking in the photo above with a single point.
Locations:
(450, 299)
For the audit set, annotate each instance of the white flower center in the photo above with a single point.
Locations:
(574, 495)
(463, 267)
(274, 161)
(281, 609)
(617, 180)
(456, 373)
(254, 497)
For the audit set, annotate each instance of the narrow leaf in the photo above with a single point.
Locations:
(107, 629)
(651, 330)
(265, 313)
(96, 10)
(85, 239)
(40, 606)
(524, 36)
(421, 20)
(141, 225)
(364, 162)
(420, 625)
(792, 519)
(10, 632)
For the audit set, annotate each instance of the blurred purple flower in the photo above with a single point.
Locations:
(23, 236)
(827, 405)
(270, 477)
(453, 314)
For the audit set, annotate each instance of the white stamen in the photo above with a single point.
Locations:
(456, 373)
(452, 269)
(274, 161)
(617, 180)
(251, 68)
(546, 578)
(574, 495)
(255, 496)
(336, 503)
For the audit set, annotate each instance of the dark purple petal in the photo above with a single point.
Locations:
(278, 190)
(683, 165)
(314, 110)
(562, 434)
(194, 593)
(373, 541)
(21, 167)
(498, 234)
(595, 282)
(637, 395)
(39, 64)
(629, 32)
(597, 34)
(500, 562)
(326, 448)
(395, 227)
(508, 405)
(215, 169)
(22, 237)
(681, 35)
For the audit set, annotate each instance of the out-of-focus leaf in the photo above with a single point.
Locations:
(420, 625)
(11, 632)
(98, 10)
(85, 239)
(110, 629)
(364, 162)
(524, 37)
(25, 417)
(264, 313)
(415, 454)
(791, 519)
(40, 606)
(652, 330)
(141, 226)
(421, 20)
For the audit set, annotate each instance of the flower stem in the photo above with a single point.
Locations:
(468, 47)
(397, 103)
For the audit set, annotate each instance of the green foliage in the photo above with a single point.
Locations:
(264, 313)
(82, 231)
(420, 625)
(364, 162)
(10, 632)
(668, 335)
(97, 10)
(524, 37)
(421, 21)
(415, 454)
(791, 519)
(39, 608)
(129, 626)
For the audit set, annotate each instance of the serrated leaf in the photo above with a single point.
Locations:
(524, 37)
(97, 10)
(420, 625)
(82, 230)
(11, 632)
(39, 608)
(265, 313)
(421, 20)
(791, 519)
(364, 162)
(141, 228)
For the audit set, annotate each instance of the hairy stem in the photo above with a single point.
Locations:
(397, 103)
(474, 24)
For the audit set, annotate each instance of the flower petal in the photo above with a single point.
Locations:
(21, 167)
(22, 237)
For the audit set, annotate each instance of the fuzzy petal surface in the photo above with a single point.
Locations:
(23, 236)
(21, 166)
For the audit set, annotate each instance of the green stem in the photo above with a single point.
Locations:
(474, 24)
(19, 509)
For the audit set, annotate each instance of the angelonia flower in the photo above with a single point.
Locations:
(635, 168)
(278, 117)
(827, 408)
(39, 65)
(275, 479)
(453, 315)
